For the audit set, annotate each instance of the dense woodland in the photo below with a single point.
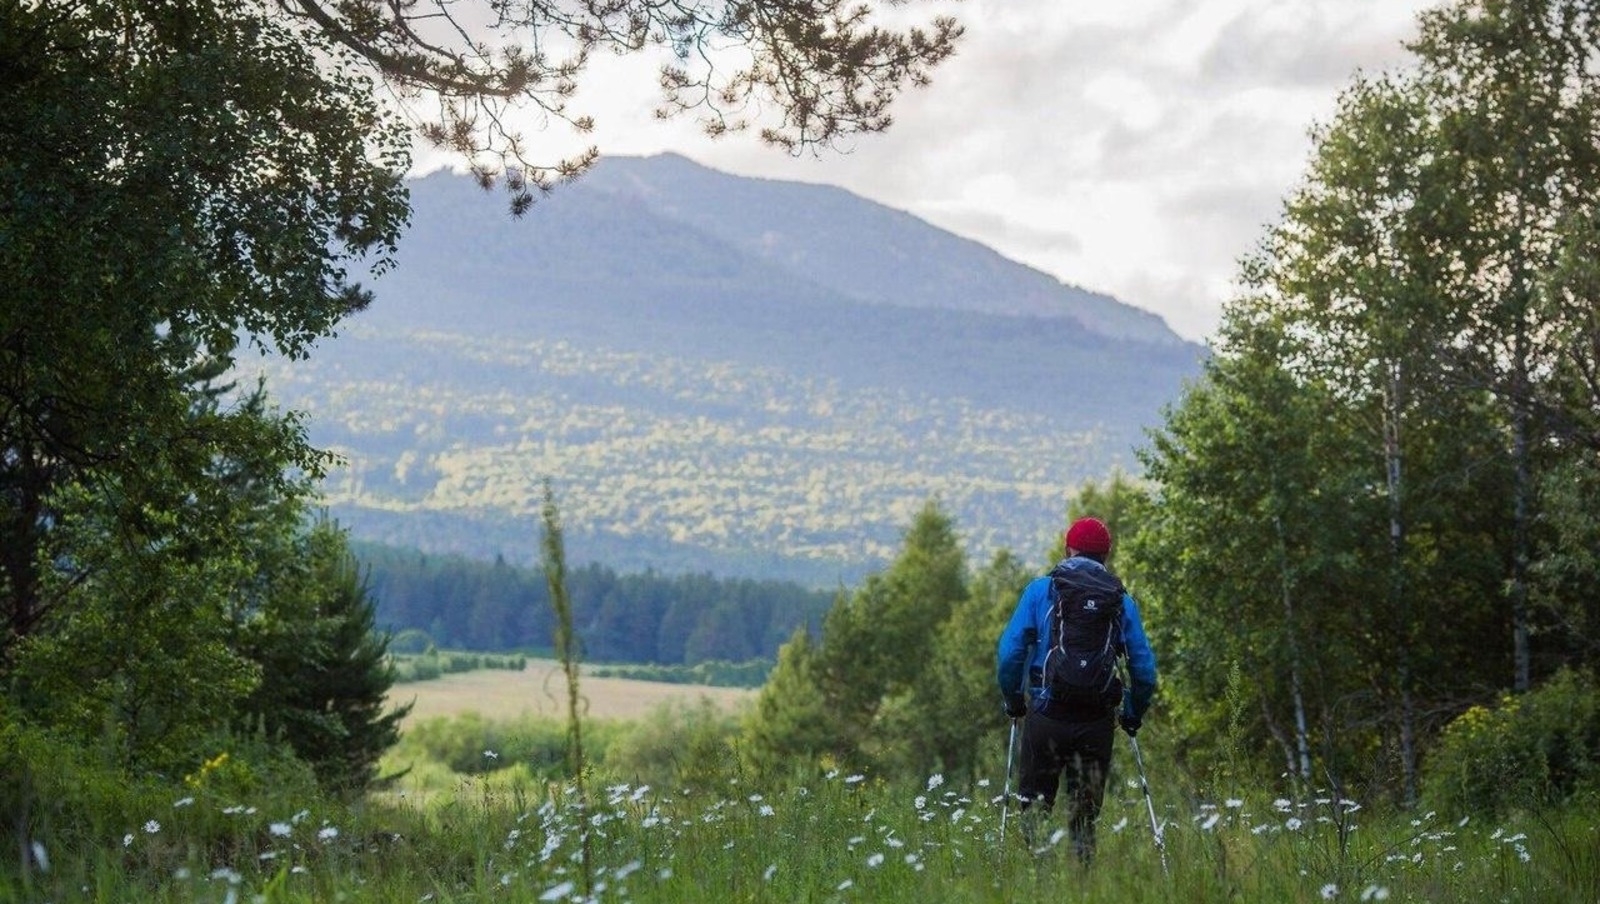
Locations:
(643, 617)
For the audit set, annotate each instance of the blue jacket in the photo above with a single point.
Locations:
(1031, 622)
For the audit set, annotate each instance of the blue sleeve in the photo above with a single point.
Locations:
(1141, 661)
(1019, 635)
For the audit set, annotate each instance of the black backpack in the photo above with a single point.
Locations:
(1085, 637)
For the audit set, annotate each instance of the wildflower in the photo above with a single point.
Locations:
(269, 855)
(845, 884)
(1233, 803)
(40, 857)
(556, 893)
(771, 871)
(1463, 823)
(983, 783)
(490, 755)
(920, 802)
(935, 780)
(894, 842)
(856, 840)
(766, 810)
(1375, 893)
(1282, 805)
(327, 833)
(855, 779)
(127, 840)
(296, 818)
(1056, 836)
(956, 816)
(639, 793)
(756, 798)
(279, 829)
(182, 802)
(1292, 824)
(152, 827)
(664, 874)
(1210, 823)
(1329, 891)
(232, 876)
(1121, 824)
(181, 873)
(875, 861)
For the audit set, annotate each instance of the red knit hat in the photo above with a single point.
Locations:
(1089, 535)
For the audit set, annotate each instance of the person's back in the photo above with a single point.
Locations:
(1069, 701)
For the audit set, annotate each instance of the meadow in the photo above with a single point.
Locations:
(818, 835)
(540, 690)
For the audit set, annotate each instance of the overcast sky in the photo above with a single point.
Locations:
(1136, 147)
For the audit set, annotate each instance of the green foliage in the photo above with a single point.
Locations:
(854, 695)
(325, 671)
(81, 797)
(1526, 752)
(470, 744)
(432, 663)
(1566, 577)
(678, 745)
(714, 673)
(175, 182)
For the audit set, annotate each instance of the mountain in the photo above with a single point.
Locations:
(724, 374)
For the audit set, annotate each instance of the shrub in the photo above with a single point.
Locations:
(1537, 749)
(677, 745)
(470, 744)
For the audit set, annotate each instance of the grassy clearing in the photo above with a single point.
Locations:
(831, 837)
(540, 690)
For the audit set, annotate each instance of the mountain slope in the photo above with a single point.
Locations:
(701, 405)
(860, 249)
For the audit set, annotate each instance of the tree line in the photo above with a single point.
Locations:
(645, 617)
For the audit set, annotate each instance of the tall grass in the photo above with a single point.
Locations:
(554, 557)
(821, 837)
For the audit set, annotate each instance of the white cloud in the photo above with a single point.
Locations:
(1137, 148)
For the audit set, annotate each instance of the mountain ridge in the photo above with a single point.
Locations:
(700, 405)
(745, 218)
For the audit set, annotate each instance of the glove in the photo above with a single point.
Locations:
(1015, 706)
(1130, 723)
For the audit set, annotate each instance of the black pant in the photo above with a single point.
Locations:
(1080, 752)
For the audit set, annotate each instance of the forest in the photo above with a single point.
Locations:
(644, 617)
(1366, 540)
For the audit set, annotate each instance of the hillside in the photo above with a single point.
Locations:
(742, 376)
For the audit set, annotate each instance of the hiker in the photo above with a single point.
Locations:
(1068, 693)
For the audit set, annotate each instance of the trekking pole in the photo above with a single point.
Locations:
(1155, 828)
(1005, 800)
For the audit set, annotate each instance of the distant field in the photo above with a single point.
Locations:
(541, 689)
